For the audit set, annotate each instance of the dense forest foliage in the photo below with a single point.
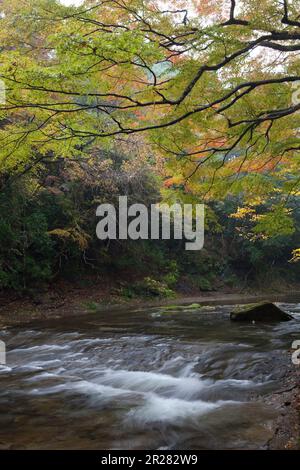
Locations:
(183, 101)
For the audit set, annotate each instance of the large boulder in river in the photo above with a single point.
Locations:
(264, 311)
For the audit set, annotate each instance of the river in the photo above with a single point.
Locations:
(149, 378)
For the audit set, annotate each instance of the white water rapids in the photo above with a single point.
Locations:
(141, 379)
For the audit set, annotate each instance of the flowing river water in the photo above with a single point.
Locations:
(152, 378)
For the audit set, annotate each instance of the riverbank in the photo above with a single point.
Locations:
(286, 428)
(66, 301)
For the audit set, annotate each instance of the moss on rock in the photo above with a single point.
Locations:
(264, 311)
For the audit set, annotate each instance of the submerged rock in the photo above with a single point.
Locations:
(264, 311)
(181, 307)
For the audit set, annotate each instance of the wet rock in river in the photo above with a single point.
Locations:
(264, 311)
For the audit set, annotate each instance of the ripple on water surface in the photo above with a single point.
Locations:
(143, 379)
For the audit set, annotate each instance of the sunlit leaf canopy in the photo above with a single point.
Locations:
(209, 85)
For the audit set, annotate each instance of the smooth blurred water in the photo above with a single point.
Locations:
(145, 379)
